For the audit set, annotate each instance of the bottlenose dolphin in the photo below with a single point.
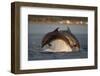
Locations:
(67, 36)
(74, 43)
(52, 36)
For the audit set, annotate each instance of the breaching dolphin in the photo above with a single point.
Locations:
(66, 36)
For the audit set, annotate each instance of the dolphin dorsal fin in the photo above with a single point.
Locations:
(68, 29)
(56, 30)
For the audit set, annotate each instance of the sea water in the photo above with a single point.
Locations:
(35, 52)
(36, 32)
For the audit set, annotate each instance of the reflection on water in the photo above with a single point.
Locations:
(35, 52)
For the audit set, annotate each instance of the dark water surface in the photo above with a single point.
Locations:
(35, 52)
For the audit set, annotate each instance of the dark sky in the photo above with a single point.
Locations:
(43, 24)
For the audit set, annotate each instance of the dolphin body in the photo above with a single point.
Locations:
(66, 36)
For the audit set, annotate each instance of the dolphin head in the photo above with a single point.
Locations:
(76, 46)
(45, 40)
